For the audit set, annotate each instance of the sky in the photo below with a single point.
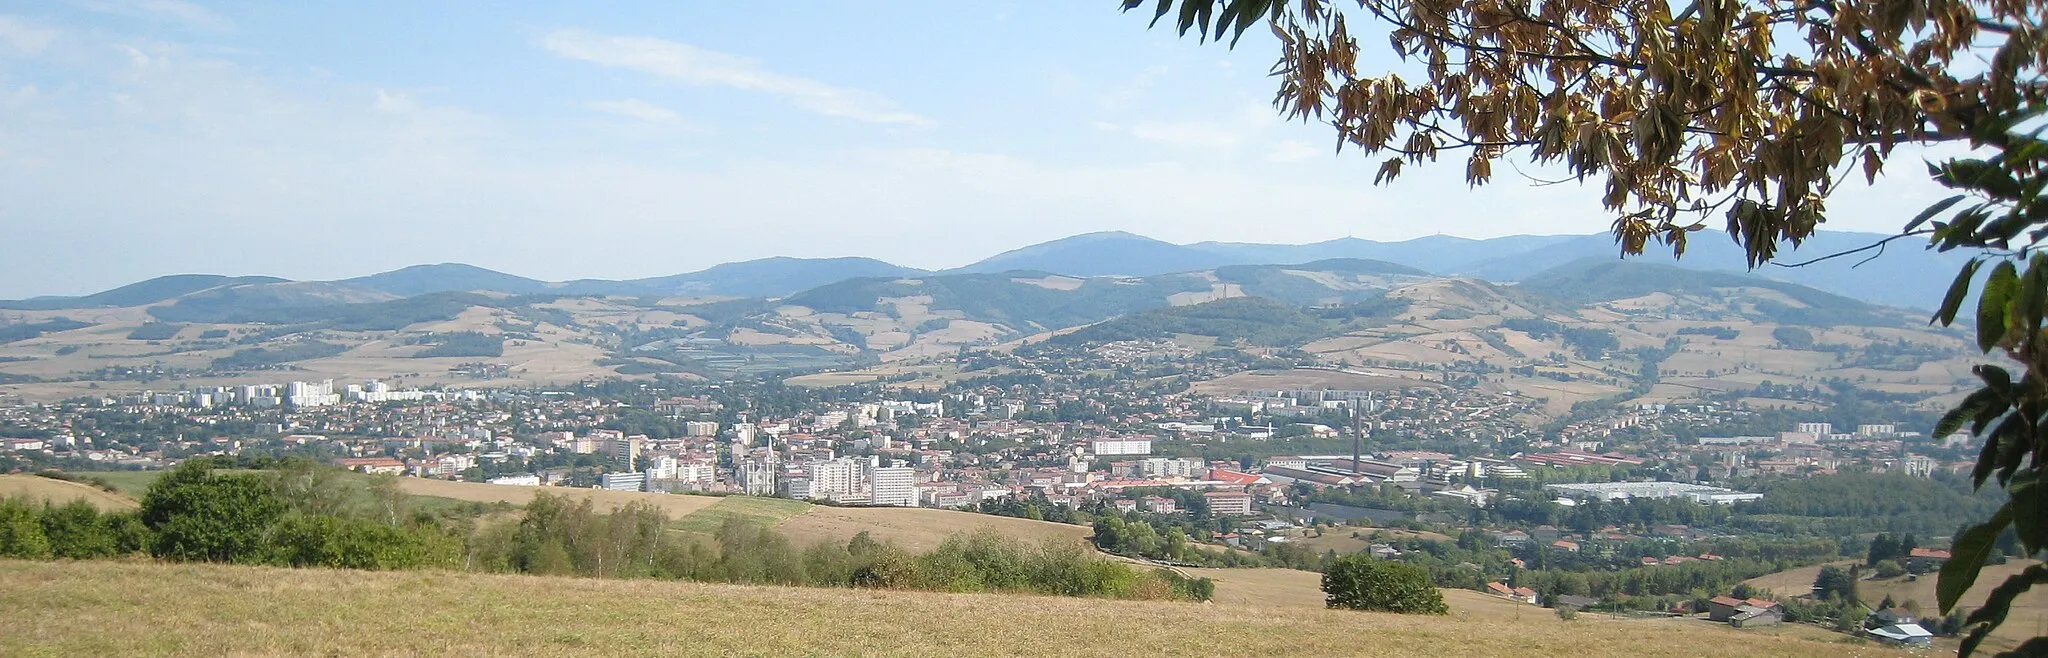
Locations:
(558, 141)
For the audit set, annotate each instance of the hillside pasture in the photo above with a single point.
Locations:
(2028, 619)
(1266, 380)
(136, 608)
(61, 492)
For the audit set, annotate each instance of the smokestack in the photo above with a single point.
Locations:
(1357, 434)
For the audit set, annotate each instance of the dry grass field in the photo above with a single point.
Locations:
(139, 608)
(62, 492)
(1262, 380)
(2029, 617)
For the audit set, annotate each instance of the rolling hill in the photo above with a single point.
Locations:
(140, 293)
(1108, 253)
(771, 277)
(139, 608)
(1716, 331)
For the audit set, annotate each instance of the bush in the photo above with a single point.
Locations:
(1889, 569)
(1361, 582)
(21, 533)
(202, 516)
(1567, 613)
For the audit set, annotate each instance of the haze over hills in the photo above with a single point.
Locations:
(1904, 275)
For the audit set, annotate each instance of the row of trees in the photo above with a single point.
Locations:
(302, 515)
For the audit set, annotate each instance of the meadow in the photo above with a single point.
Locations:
(145, 608)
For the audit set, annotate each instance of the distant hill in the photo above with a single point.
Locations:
(1600, 280)
(1109, 253)
(1906, 274)
(140, 293)
(446, 277)
(1436, 254)
(772, 277)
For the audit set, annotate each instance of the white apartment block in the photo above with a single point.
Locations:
(1128, 446)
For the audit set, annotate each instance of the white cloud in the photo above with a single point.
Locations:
(392, 102)
(1293, 150)
(1187, 134)
(178, 10)
(26, 38)
(689, 64)
(636, 109)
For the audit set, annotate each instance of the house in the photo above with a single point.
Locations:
(374, 465)
(1744, 613)
(1753, 616)
(1720, 608)
(1910, 635)
(1527, 595)
(1922, 560)
(1565, 545)
(1500, 589)
(1574, 602)
(1511, 538)
(1891, 617)
(1158, 504)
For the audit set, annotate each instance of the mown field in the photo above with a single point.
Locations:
(142, 608)
(2028, 619)
(60, 491)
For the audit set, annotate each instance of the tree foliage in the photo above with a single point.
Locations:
(1749, 110)
(1742, 108)
(1362, 582)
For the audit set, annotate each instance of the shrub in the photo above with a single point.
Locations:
(1361, 582)
(21, 533)
(199, 515)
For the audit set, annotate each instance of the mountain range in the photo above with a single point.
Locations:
(1904, 276)
(1579, 331)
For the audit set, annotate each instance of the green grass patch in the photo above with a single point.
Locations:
(765, 512)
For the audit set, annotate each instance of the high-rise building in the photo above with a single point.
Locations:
(625, 450)
(1127, 446)
(891, 485)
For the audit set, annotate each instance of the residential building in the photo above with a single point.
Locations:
(623, 481)
(1229, 503)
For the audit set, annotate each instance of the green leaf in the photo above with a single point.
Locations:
(1930, 212)
(1995, 378)
(1999, 604)
(1999, 290)
(1963, 411)
(1956, 292)
(1987, 458)
(2029, 509)
(2033, 293)
(1967, 557)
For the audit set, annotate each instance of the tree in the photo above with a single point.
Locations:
(1742, 109)
(1835, 584)
(1362, 582)
(199, 515)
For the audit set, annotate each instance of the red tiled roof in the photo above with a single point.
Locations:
(1931, 553)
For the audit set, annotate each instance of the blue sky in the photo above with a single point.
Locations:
(629, 139)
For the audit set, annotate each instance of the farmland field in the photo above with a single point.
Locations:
(141, 608)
